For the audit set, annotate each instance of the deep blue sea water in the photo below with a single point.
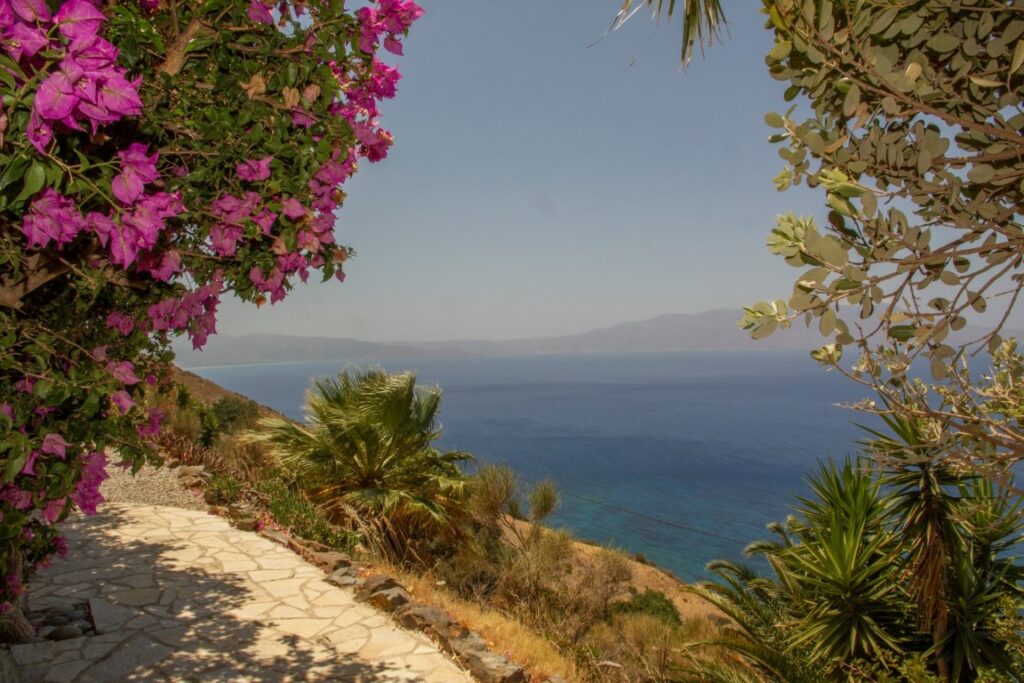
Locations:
(715, 443)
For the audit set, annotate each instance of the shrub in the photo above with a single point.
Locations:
(651, 602)
(233, 414)
(292, 511)
(644, 647)
(223, 489)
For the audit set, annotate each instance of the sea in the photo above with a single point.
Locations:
(680, 457)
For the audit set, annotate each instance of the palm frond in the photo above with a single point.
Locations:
(703, 20)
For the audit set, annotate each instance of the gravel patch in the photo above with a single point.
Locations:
(150, 486)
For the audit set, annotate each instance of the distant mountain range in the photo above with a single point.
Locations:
(711, 330)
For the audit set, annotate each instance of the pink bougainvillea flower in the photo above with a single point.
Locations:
(25, 384)
(7, 409)
(39, 132)
(123, 400)
(123, 371)
(224, 238)
(393, 45)
(99, 354)
(137, 169)
(293, 208)
(52, 216)
(56, 97)
(117, 95)
(265, 219)
(60, 546)
(53, 510)
(54, 444)
(302, 119)
(87, 494)
(152, 425)
(24, 40)
(31, 11)
(29, 468)
(164, 267)
(259, 12)
(121, 322)
(254, 169)
(78, 18)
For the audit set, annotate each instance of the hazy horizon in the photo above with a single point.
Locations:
(556, 181)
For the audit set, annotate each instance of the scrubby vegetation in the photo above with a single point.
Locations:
(901, 573)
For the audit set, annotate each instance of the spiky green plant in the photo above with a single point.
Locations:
(366, 446)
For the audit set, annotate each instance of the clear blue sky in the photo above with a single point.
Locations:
(547, 179)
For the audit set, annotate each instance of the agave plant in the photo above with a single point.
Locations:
(365, 455)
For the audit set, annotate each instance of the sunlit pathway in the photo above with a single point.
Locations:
(180, 595)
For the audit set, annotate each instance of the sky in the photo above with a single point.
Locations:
(547, 179)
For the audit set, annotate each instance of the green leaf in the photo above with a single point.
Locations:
(901, 332)
(985, 82)
(34, 180)
(982, 173)
(14, 466)
(851, 101)
(1018, 57)
(774, 120)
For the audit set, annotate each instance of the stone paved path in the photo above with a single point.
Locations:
(180, 595)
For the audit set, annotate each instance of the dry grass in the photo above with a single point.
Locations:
(502, 633)
(646, 576)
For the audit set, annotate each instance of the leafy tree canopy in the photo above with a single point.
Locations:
(913, 133)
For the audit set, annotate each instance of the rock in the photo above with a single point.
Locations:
(83, 624)
(46, 631)
(343, 578)
(77, 615)
(554, 679)
(275, 536)
(8, 669)
(66, 632)
(330, 561)
(389, 599)
(65, 609)
(245, 523)
(109, 617)
(55, 619)
(425, 618)
(372, 584)
(486, 666)
(195, 471)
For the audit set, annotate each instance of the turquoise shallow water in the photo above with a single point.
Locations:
(711, 445)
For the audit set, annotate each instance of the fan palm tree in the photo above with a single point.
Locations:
(754, 642)
(702, 20)
(365, 455)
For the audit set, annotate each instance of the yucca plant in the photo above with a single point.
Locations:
(365, 451)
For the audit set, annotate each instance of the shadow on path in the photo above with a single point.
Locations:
(166, 610)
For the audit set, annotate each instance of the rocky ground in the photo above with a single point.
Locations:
(150, 486)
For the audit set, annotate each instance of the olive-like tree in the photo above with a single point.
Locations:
(911, 126)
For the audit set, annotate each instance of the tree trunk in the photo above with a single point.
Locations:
(14, 626)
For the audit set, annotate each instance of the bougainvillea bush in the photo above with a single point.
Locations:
(156, 156)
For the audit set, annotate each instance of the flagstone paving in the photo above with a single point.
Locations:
(180, 595)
